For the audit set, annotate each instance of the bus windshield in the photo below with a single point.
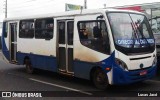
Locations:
(131, 31)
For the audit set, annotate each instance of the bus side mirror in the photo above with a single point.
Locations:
(99, 17)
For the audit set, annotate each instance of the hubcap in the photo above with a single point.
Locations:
(100, 78)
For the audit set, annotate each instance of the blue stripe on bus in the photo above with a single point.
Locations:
(120, 76)
(108, 63)
(126, 77)
(39, 61)
(82, 69)
(5, 51)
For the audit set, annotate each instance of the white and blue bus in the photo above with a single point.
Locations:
(107, 46)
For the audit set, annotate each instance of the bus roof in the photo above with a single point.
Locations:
(69, 13)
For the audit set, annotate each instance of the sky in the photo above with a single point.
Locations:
(18, 8)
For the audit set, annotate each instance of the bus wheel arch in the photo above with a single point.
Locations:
(99, 78)
(28, 65)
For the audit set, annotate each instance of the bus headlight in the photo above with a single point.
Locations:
(154, 62)
(121, 64)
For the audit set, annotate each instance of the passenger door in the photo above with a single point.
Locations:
(13, 41)
(65, 29)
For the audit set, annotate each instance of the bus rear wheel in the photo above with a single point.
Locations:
(29, 68)
(100, 79)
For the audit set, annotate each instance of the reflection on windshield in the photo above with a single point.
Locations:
(131, 30)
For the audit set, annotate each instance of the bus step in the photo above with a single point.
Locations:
(13, 62)
(66, 73)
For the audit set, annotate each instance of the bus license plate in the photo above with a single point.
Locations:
(143, 73)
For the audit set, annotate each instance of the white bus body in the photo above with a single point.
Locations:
(58, 42)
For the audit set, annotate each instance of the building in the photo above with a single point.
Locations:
(151, 9)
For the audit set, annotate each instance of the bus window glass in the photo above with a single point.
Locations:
(6, 29)
(61, 29)
(141, 25)
(93, 34)
(26, 29)
(131, 33)
(130, 28)
(70, 32)
(44, 28)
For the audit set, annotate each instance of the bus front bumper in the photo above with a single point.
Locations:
(127, 77)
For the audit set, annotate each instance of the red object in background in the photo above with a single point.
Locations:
(136, 8)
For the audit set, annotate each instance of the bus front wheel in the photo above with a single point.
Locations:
(100, 79)
(29, 68)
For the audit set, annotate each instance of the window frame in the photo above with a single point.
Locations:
(45, 29)
(128, 51)
(107, 34)
(20, 28)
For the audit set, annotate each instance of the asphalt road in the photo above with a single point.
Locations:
(14, 78)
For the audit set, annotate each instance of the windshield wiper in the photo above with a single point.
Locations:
(136, 28)
(135, 32)
(143, 37)
(133, 37)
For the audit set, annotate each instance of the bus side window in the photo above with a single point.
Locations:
(82, 31)
(97, 32)
(44, 28)
(26, 29)
(93, 34)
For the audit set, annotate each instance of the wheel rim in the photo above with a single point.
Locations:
(100, 79)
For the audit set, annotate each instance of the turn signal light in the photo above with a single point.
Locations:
(108, 68)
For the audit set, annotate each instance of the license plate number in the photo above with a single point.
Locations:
(143, 73)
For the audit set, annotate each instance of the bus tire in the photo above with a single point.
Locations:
(100, 79)
(29, 68)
